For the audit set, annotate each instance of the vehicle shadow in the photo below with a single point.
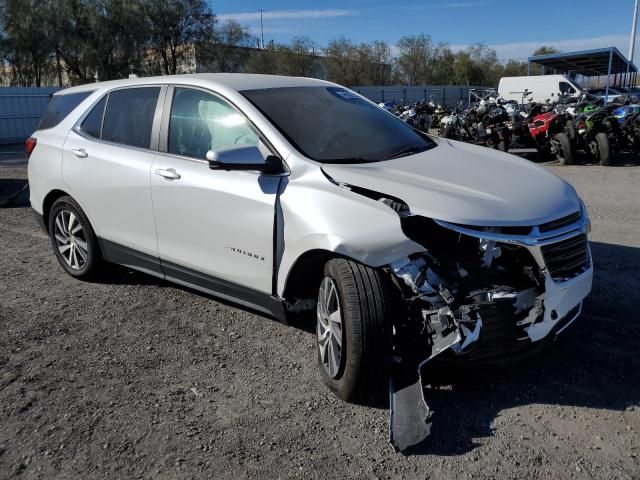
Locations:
(593, 365)
(14, 192)
(622, 158)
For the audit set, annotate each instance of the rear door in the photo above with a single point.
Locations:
(107, 163)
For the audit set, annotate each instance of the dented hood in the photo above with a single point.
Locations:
(468, 184)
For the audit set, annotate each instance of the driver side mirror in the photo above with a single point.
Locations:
(243, 157)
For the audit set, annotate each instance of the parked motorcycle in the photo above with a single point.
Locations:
(438, 114)
(630, 131)
(493, 129)
(592, 134)
(548, 129)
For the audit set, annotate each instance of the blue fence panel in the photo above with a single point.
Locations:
(20, 111)
(442, 94)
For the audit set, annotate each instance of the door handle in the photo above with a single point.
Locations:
(79, 152)
(169, 173)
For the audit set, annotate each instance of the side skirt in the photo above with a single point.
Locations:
(207, 284)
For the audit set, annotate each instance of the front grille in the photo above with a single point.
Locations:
(568, 258)
(561, 222)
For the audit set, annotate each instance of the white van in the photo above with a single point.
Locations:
(543, 87)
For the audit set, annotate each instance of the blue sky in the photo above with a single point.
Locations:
(513, 27)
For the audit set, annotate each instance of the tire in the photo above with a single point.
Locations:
(565, 155)
(570, 130)
(70, 227)
(361, 374)
(503, 146)
(604, 150)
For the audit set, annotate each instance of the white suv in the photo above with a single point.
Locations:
(293, 195)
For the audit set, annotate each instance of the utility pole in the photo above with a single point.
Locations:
(632, 41)
(262, 27)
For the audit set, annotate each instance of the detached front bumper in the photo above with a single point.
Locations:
(562, 304)
(482, 294)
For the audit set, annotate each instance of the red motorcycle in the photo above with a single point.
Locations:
(552, 133)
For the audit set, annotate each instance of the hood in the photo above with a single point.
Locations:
(468, 184)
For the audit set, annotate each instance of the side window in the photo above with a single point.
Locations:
(92, 123)
(59, 107)
(566, 88)
(128, 118)
(201, 122)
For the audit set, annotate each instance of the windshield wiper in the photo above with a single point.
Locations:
(407, 151)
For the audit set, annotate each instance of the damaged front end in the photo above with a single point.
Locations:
(480, 294)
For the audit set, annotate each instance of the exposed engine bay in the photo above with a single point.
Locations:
(474, 298)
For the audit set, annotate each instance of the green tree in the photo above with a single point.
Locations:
(514, 68)
(375, 60)
(422, 62)
(477, 65)
(415, 52)
(103, 39)
(263, 61)
(341, 59)
(175, 27)
(298, 58)
(543, 50)
(228, 50)
(26, 45)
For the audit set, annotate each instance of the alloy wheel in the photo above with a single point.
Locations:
(71, 240)
(329, 327)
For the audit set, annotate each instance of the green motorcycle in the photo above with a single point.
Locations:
(597, 131)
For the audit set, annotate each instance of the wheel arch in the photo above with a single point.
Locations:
(51, 197)
(48, 202)
(304, 277)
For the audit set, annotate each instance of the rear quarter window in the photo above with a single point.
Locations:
(59, 107)
(92, 124)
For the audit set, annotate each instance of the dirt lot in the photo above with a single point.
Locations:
(133, 377)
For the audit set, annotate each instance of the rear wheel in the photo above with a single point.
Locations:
(447, 132)
(604, 150)
(564, 152)
(353, 330)
(503, 146)
(73, 240)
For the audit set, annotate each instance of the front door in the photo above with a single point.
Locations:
(212, 225)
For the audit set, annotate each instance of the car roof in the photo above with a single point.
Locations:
(235, 81)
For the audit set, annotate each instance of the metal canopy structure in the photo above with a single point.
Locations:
(591, 63)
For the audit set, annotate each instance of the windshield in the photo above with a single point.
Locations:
(334, 125)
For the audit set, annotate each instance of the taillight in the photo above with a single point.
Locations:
(30, 145)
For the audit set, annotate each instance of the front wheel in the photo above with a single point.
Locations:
(73, 240)
(604, 150)
(563, 150)
(354, 334)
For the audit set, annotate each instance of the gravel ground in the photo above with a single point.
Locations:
(133, 377)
